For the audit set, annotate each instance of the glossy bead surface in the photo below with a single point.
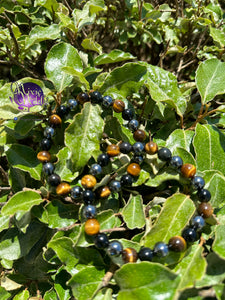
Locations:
(125, 147)
(126, 180)
(139, 135)
(188, 170)
(127, 114)
(95, 97)
(62, 111)
(103, 159)
(115, 186)
(82, 98)
(177, 244)
(115, 248)
(54, 179)
(76, 193)
(151, 148)
(55, 120)
(164, 154)
(133, 124)
(198, 182)
(133, 169)
(88, 181)
(138, 148)
(176, 162)
(161, 249)
(204, 195)
(107, 101)
(205, 209)
(90, 211)
(95, 169)
(105, 192)
(198, 222)
(101, 241)
(118, 106)
(72, 103)
(49, 132)
(45, 144)
(138, 159)
(88, 197)
(63, 188)
(145, 254)
(190, 235)
(44, 156)
(91, 227)
(113, 150)
(129, 255)
(48, 168)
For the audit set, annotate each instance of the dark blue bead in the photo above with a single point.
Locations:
(138, 148)
(89, 211)
(127, 114)
(115, 186)
(133, 125)
(54, 179)
(48, 168)
(138, 159)
(164, 154)
(198, 182)
(101, 241)
(15, 119)
(190, 235)
(145, 254)
(76, 193)
(72, 103)
(161, 249)
(176, 162)
(49, 132)
(62, 111)
(45, 144)
(125, 147)
(95, 169)
(198, 223)
(107, 101)
(115, 248)
(96, 97)
(103, 159)
(126, 180)
(204, 195)
(88, 197)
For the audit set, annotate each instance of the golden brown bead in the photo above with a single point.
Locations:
(91, 227)
(118, 106)
(129, 255)
(177, 244)
(113, 150)
(88, 181)
(151, 148)
(134, 169)
(105, 192)
(139, 135)
(82, 98)
(188, 170)
(55, 120)
(205, 209)
(63, 188)
(44, 156)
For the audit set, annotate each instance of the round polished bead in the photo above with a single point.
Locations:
(204, 195)
(188, 170)
(91, 227)
(129, 255)
(177, 244)
(45, 144)
(198, 222)
(118, 106)
(139, 135)
(138, 159)
(115, 186)
(63, 188)
(88, 197)
(205, 210)
(115, 248)
(54, 179)
(107, 101)
(95, 169)
(44, 156)
(88, 181)
(198, 182)
(49, 132)
(72, 103)
(133, 169)
(151, 148)
(90, 211)
(82, 98)
(101, 241)
(126, 180)
(113, 150)
(48, 168)
(76, 193)
(105, 192)
(125, 147)
(145, 254)
(161, 249)
(190, 235)
(138, 148)
(95, 97)
(127, 114)
(176, 162)
(164, 154)
(103, 159)
(62, 110)
(133, 124)
(55, 120)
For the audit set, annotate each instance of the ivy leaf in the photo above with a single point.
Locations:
(218, 36)
(180, 138)
(210, 77)
(219, 243)
(4, 295)
(89, 44)
(133, 213)
(112, 57)
(51, 5)
(4, 222)
(78, 77)
(22, 295)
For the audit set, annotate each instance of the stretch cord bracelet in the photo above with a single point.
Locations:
(89, 181)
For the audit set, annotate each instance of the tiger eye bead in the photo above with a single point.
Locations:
(205, 210)
(129, 255)
(151, 148)
(118, 106)
(139, 135)
(44, 156)
(134, 169)
(188, 170)
(82, 98)
(91, 227)
(113, 150)
(177, 244)
(105, 192)
(88, 181)
(55, 120)
(63, 188)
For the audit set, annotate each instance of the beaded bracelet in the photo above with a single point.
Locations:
(89, 181)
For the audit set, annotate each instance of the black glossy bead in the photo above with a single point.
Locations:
(95, 169)
(48, 168)
(76, 193)
(103, 159)
(198, 182)
(164, 154)
(115, 186)
(138, 159)
(115, 248)
(138, 148)
(190, 235)
(127, 114)
(62, 111)
(145, 254)
(96, 97)
(54, 179)
(45, 144)
(198, 223)
(88, 197)
(133, 124)
(204, 195)
(161, 249)
(49, 132)
(125, 147)
(90, 211)
(72, 103)
(107, 101)
(126, 180)
(176, 162)
(101, 241)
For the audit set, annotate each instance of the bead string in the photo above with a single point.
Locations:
(89, 181)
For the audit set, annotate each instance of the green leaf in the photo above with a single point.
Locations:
(23, 295)
(133, 212)
(78, 77)
(4, 295)
(112, 57)
(210, 77)
(219, 243)
(51, 5)
(180, 138)
(146, 280)
(218, 36)
(89, 44)
(62, 55)
(4, 222)
(21, 201)
(83, 135)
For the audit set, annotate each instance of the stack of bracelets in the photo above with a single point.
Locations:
(88, 193)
